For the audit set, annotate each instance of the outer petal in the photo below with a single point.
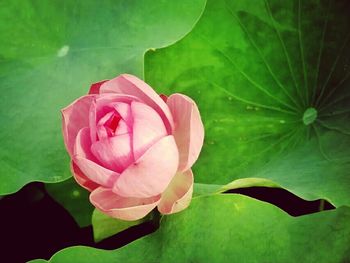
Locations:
(178, 194)
(95, 88)
(95, 172)
(93, 121)
(151, 174)
(131, 85)
(163, 97)
(148, 128)
(120, 207)
(88, 164)
(74, 118)
(189, 131)
(83, 144)
(82, 179)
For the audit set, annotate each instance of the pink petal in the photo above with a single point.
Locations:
(122, 128)
(115, 153)
(109, 123)
(95, 88)
(102, 105)
(88, 164)
(102, 131)
(105, 103)
(131, 85)
(189, 131)
(109, 100)
(82, 146)
(178, 194)
(74, 118)
(151, 174)
(124, 111)
(120, 207)
(82, 179)
(95, 172)
(148, 128)
(163, 97)
(92, 122)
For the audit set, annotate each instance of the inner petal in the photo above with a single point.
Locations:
(112, 122)
(103, 105)
(124, 111)
(115, 152)
(107, 125)
(122, 128)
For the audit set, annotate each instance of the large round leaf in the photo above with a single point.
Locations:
(232, 228)
(51, 51)
(272, 82)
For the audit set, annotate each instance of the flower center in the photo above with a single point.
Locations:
(310, 115)
(108, 125)
(112, 123)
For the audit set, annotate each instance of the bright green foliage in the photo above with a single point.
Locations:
(73, 198)
(233, 228)
(256, 69)
(315, 170)
(51, 51)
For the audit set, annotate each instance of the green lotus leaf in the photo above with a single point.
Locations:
(271, 79)
(232, 228)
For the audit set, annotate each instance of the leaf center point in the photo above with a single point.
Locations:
(310, 115)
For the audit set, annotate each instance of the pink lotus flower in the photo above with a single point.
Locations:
(133, 149)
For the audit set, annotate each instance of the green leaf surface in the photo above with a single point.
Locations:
(233, 228)
(74, 199)
(271, 79)
(50, 53)
(104, 226)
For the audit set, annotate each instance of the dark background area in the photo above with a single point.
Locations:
(33, 225)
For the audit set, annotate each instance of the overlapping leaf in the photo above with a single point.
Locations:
(241, 229)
